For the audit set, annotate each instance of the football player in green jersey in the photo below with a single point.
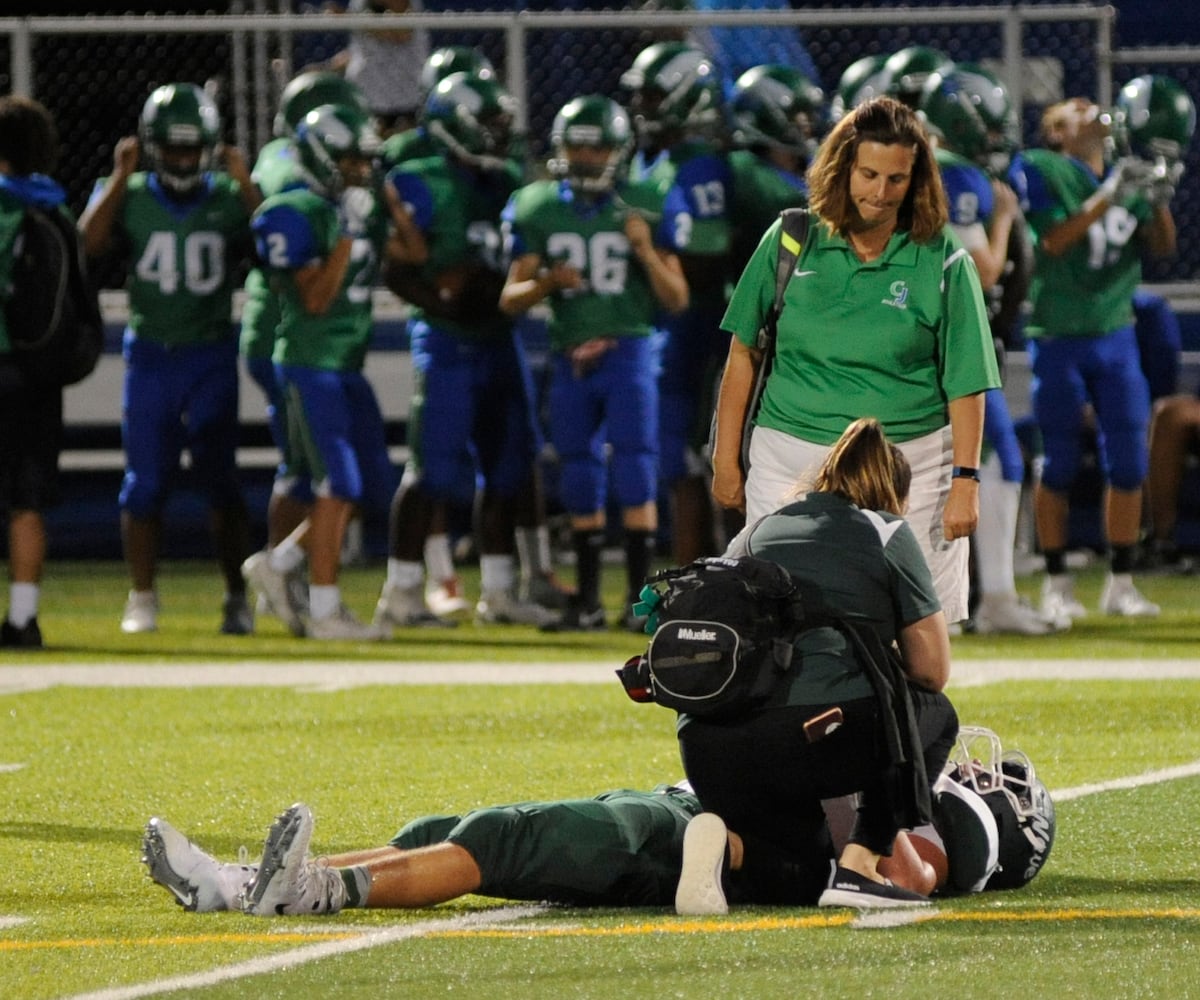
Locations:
(1091, 222)
(322, 245)
(278, 169)
(581, 243)
(471, 413)
(183, 228)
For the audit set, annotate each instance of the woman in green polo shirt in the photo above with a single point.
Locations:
(883, 316)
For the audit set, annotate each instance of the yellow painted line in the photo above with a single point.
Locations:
(707, 926)
(177, 939)
(720, 926)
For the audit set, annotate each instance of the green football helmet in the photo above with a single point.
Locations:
(673, 87)
(969, 110)
(454, 59)
(774, 105)
(1155, 118)
(307, 91)
(907, 70)
(860, 81)
(594, 122)
(329, 134)
(179, 115)
(472, 117)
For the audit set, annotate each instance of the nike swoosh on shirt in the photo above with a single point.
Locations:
(802, 274)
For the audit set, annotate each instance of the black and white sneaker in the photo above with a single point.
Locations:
(198, 881)
(705, 843)
(848, 888)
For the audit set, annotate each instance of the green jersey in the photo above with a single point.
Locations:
(616, 300)
(896, 338)
(411, 144)
(183, 258)
(760, 192)
(1088, 289)
(276, 169)
(458, 212)
(292, 230)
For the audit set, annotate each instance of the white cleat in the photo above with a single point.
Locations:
(501, 607)
(276, 590)
(1059, 606)
(287, 883)
(405, 607)
(198, 881)
(699, 892)
(446, 600)
(1008, 613)
(141, 613)
(1121, 598)
(342, 624)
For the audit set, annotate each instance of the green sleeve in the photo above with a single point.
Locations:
(755, 291)
(968, 354)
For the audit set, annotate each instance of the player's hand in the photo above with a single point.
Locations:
(354, 210)
(234, 161)
(125, 156)
(637, 231)
(1005, 201)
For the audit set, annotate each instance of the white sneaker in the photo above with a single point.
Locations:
(198, 881)
(501, 607)
(1121, 597)
(342, 624)
(1059, 606)
(446, 599)
(273, 588)
(1008, 613)
(704, 843)
(405, 607)
(287, 883)
(141, 613)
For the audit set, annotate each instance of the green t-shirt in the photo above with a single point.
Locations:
(617, 300)
(184, 257)
(760, 192)
(300, 227)
(861, 566)
(1088, 290)
(895, 339)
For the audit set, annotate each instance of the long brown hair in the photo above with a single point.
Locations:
(866, 468)
(28, 138)
(887, 121)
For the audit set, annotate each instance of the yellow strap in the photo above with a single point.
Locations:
(789, 243)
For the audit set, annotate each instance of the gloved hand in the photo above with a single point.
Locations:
(1164, 181)
(1129, 175)
(354, 210)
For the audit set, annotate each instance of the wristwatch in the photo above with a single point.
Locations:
(964, 472)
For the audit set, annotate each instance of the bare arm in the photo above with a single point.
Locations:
(319, 283)
(990, 259)
(966, 431)
(528, 283)
(98, 219)
(733, 400)
(663, 269)
(1159, 234)
(236, 166)
(925, 651)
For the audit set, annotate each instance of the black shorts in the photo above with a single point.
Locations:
(31, 436)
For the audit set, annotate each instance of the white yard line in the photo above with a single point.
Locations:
(333, 675)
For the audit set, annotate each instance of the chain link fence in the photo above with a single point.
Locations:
(94, 74)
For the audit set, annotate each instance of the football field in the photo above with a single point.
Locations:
(217, 734)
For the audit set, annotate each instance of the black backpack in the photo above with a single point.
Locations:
(722, 636)
(53, 313)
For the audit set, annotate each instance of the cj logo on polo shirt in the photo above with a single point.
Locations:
(899, 293)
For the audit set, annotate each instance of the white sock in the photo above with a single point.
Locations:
(996, 533)
(439, 563)
(404, 574)
(323, 600)
(496, 573)
(22, 603)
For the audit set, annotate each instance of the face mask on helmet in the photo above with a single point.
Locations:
(473, 118)
(331, 138)
(777, 106)
(310, 90)
(1017, 799)
(178, 130)
(969, 110)
(591, 140)
(673, 87)
(1154, 118)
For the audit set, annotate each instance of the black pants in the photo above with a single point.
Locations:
(766, 781)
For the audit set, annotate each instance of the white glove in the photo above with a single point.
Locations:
(1164, 181)
(354, 210)
(1129, 175)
